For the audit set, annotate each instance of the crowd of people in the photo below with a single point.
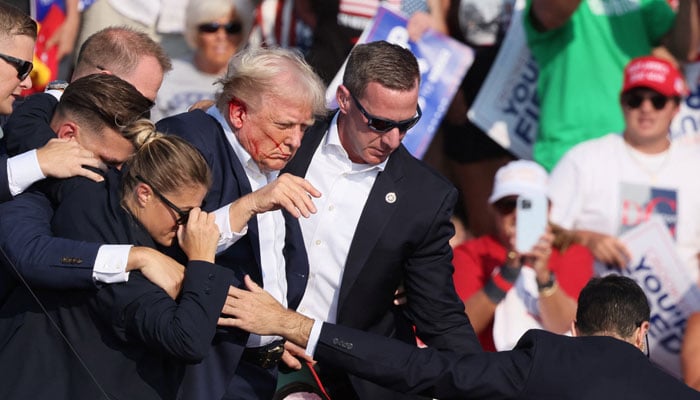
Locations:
(184, 218)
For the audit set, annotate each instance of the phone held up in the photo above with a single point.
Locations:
(531, 221)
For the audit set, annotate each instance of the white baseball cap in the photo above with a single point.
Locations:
(519, 178)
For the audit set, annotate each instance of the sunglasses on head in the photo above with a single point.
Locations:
(635, 99)
(23, 67)
(232, 27)
(381, 125)
(182, 215)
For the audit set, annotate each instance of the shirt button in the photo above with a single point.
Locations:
(331, 208)
(318, 243)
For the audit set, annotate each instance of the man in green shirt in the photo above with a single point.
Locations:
(582, 47)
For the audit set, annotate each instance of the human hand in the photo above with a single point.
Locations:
(64, 158)
(538, 257)
(158, 268)
(64, 37)
(292, 355)
(200, 236)
(254, 310)
(290, 192)
(418, 23)
(608, 249)
(400, 296)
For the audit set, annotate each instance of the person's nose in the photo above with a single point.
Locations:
(393, 138)
(26, 84)
(294, 140)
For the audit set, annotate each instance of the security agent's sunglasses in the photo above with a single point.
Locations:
(231, 28)
(634, 99)
(23, 67)
(182, 215)
(381, 125)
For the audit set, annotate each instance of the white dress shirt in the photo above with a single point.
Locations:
(328, 234)
(271, 229)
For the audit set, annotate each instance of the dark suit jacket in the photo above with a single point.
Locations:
(22, 132)
(28, 127)
(25, 232)
(133, 338)
(402, 241)
(543, 365)
(210, 378)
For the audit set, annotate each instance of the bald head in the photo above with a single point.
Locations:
(126, 53)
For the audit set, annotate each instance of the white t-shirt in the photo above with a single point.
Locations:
(182, 87)
(603, 185)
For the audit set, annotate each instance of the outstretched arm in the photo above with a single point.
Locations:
(684, 37)
(53, 262)
(551, 14)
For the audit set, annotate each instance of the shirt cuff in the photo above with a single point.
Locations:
(313, 338)
(23, 170)
(110, 263)
(226, 238)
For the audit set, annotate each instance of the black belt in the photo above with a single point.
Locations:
(265, 356)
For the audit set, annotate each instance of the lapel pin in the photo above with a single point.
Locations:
(390, 197)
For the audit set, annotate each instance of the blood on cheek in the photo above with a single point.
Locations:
(259, 145)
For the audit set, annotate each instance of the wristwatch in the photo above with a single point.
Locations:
(57, 85)
(547, 288)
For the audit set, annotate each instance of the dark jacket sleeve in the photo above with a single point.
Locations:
(43, 260)
(408, 369)
(5, 194)
(140, 311)
(29, 126)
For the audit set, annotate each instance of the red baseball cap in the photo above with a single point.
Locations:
(656, 74)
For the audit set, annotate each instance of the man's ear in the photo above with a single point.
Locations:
(68, 130)
(237, 112)
(574, 332)
(342, 96)
(639, 335)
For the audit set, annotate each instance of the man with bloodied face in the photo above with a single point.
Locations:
(269, 97)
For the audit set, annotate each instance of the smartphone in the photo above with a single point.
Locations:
(531, 221)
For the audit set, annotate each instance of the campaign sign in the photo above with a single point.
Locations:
(672, 294)
(686, 124)
(443, 63)
(507, 107)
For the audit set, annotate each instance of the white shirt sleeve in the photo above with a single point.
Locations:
(227, 238)
(110, 263)
(313, 338)
(23, 170)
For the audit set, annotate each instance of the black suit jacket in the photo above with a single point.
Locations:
(132, 337)
(543, 365)
(405, 240)
(210, 378)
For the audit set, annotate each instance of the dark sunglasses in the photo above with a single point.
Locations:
(231, 28)
(23, 67)
(381, 125)
(635, 100)
(505, 206)
(182, 215)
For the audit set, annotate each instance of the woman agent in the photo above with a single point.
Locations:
(126, 340)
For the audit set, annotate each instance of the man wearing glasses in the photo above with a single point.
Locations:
(58, 158)
(606, 186)
(382, 219)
